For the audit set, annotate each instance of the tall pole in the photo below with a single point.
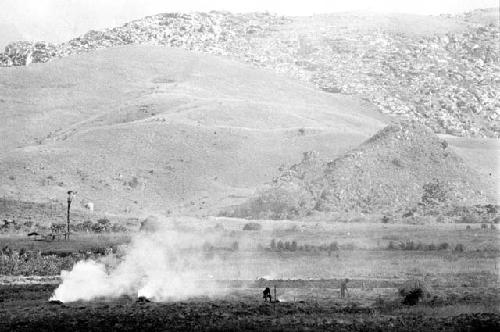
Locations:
(68, 218)
(70, 198)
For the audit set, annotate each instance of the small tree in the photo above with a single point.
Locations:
(273, 244)
(293, 246)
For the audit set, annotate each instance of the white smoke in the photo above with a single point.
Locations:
(165, 265)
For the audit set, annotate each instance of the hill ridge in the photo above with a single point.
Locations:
(444, 76)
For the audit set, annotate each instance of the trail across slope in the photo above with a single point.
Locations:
(141, 128)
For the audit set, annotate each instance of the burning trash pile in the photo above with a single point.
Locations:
(160, 266)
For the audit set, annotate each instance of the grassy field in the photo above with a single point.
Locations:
(462, 288)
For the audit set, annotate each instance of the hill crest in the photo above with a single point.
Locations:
(401, 167)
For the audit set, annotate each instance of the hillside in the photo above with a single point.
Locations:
(403, 166)
(144, 129)
(439, 70)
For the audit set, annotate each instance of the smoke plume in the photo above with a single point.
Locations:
(168, 264)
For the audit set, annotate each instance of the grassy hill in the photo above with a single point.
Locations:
(146, 129)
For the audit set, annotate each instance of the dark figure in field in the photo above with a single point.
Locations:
(266, 294)
(343, 288)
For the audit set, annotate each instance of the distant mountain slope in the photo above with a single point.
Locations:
(440, 70)
(403, 166)
(145, 128)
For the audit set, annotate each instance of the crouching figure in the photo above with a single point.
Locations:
(266, 294)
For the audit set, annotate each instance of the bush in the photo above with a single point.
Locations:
(413, 291)
(282, 202)
(273, 244)
(392, 245)
(413, 296)
(252, 226)
(409, 245)
(117, 228)
(443, 246)
(207, 246)
(459, 248)
(334, 246)
(431, 246)
(235, 246)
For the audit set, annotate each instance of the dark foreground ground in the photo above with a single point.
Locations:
(25, 308)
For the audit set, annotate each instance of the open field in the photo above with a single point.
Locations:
(462, 290)
(25, 308)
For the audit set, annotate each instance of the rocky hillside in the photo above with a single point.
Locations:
(440, 70)
(404, 167)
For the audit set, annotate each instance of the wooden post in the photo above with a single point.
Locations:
(68, 219)
(71, 194)
(275, 299)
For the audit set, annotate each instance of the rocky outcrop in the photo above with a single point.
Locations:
(404, 167)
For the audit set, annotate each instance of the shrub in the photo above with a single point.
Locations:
(117, 228)
(413, 291)
(459, 248)
(431, 246)
(98, 228)
(484, 226)
(413, 296)
(293, 246)
(252, 226)
(468, 227)
(334, 246)
(391, 245)
(385, 219)
(276, 203)
(409, 245)
(207, 246)
(280, 245)
(273, 244)
(235, 246)
(443, 246)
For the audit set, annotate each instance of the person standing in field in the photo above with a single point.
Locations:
(343, 288)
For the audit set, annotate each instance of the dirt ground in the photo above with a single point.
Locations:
(25, 308)
(463, 286)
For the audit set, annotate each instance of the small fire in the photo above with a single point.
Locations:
(156, 267)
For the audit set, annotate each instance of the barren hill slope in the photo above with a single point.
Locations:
(403, 166)
(144, 128)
